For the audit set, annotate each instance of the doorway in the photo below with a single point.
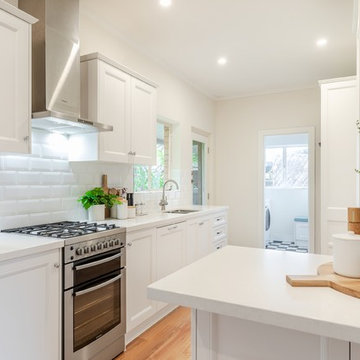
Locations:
(199, 168)
(287, 189)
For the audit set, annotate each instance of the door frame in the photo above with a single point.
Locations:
(310, 131)
(196, 135)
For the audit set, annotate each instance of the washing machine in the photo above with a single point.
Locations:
(267, 221)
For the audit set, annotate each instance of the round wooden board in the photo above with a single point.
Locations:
(327, 278)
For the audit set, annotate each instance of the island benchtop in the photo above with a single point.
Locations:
(250, 284)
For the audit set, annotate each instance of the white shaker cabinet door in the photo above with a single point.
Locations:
(30, 307)
(170, 251)
(15, 92)
(143, 122)
(139, 274)
(114, 109)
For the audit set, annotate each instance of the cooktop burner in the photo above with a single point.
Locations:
(62, 230)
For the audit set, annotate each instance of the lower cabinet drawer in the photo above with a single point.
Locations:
(219, 242)
(219, 219)
(220, 232)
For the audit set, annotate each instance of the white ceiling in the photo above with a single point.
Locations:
(270, 44)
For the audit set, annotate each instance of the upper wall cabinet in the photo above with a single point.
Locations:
(15, 75)
(114, 95)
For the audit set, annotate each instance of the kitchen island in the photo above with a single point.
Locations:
(244, 309)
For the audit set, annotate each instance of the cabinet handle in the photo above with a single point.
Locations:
(26, 138)
(200, 224)
(134, 153)
(56, 265)
(129, 244)
(218, 233)
(172, 227)
(218, 219)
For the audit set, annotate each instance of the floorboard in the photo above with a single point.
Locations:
(169, 339)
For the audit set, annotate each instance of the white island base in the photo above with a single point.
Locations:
(220, 337)
(243, 308)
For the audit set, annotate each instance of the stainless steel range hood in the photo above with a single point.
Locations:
(56, 67)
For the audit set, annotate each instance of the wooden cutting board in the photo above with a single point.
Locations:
(327, 278)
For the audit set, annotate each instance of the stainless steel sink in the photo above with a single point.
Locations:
(180, 211)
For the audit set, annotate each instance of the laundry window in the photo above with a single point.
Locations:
(147, 178)
(286, 166)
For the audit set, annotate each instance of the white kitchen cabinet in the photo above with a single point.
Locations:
(143, 122)
(105, 98)
(338, 156)
(15, 84)
(140, 257)
(199, 239)
(30, 307)
(112, 94)
(170, 251)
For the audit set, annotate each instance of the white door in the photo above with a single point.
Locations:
(143, 122)
(114, 109)
(15, 67)
(30, 307)
(338, 157)
(170, 251)
(139, 274)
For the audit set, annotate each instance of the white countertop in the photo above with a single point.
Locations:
(250, 284)
(14, 246)
(17, 245)
(164, 219)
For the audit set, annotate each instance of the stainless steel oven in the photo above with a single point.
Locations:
(94, 299)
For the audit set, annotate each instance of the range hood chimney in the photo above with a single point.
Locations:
(56, 67)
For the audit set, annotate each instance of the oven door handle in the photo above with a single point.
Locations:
(95, 263)
(96, 287)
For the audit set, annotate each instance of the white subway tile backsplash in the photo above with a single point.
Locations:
(40, 164)
(28, 178)
(51, 178)
(16, 162)
(48, 205)
(16, 192)
(8, 208)
(28, 206)
(60, 191)
(9, 222)
(39, 192)
(35, 149)
(40, 218)
(60, 165)
(8, 177)
(69, 179)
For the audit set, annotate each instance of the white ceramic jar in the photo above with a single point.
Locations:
(122, 211)
(96, 213)
(346, 251)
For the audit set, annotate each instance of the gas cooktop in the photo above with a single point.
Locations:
(63, 230)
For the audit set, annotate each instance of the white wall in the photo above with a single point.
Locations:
(177, 100)
(238, 123)
(285, 205)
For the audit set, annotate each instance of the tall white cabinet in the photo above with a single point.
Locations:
(15, 75)
(339, 156)
(114, 95)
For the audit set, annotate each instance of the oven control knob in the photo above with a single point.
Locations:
(99, 246)
(116, 242)
(79, 251)
(93, 248)
(111, 243)
(86, 249)
(106, 245)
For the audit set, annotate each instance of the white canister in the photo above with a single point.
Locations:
(113, 212)
(96, 213)
(131, 212)
(346, 251)
(122, 212)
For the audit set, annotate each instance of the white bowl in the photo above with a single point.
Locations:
(346, 251)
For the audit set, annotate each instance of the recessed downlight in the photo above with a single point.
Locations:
(222, 61)
(165, 3)
(321, 42)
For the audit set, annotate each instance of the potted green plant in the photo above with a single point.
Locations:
(95, 200)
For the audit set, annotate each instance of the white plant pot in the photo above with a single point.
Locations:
(121, 211)
(346, 251)
(96, 213)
